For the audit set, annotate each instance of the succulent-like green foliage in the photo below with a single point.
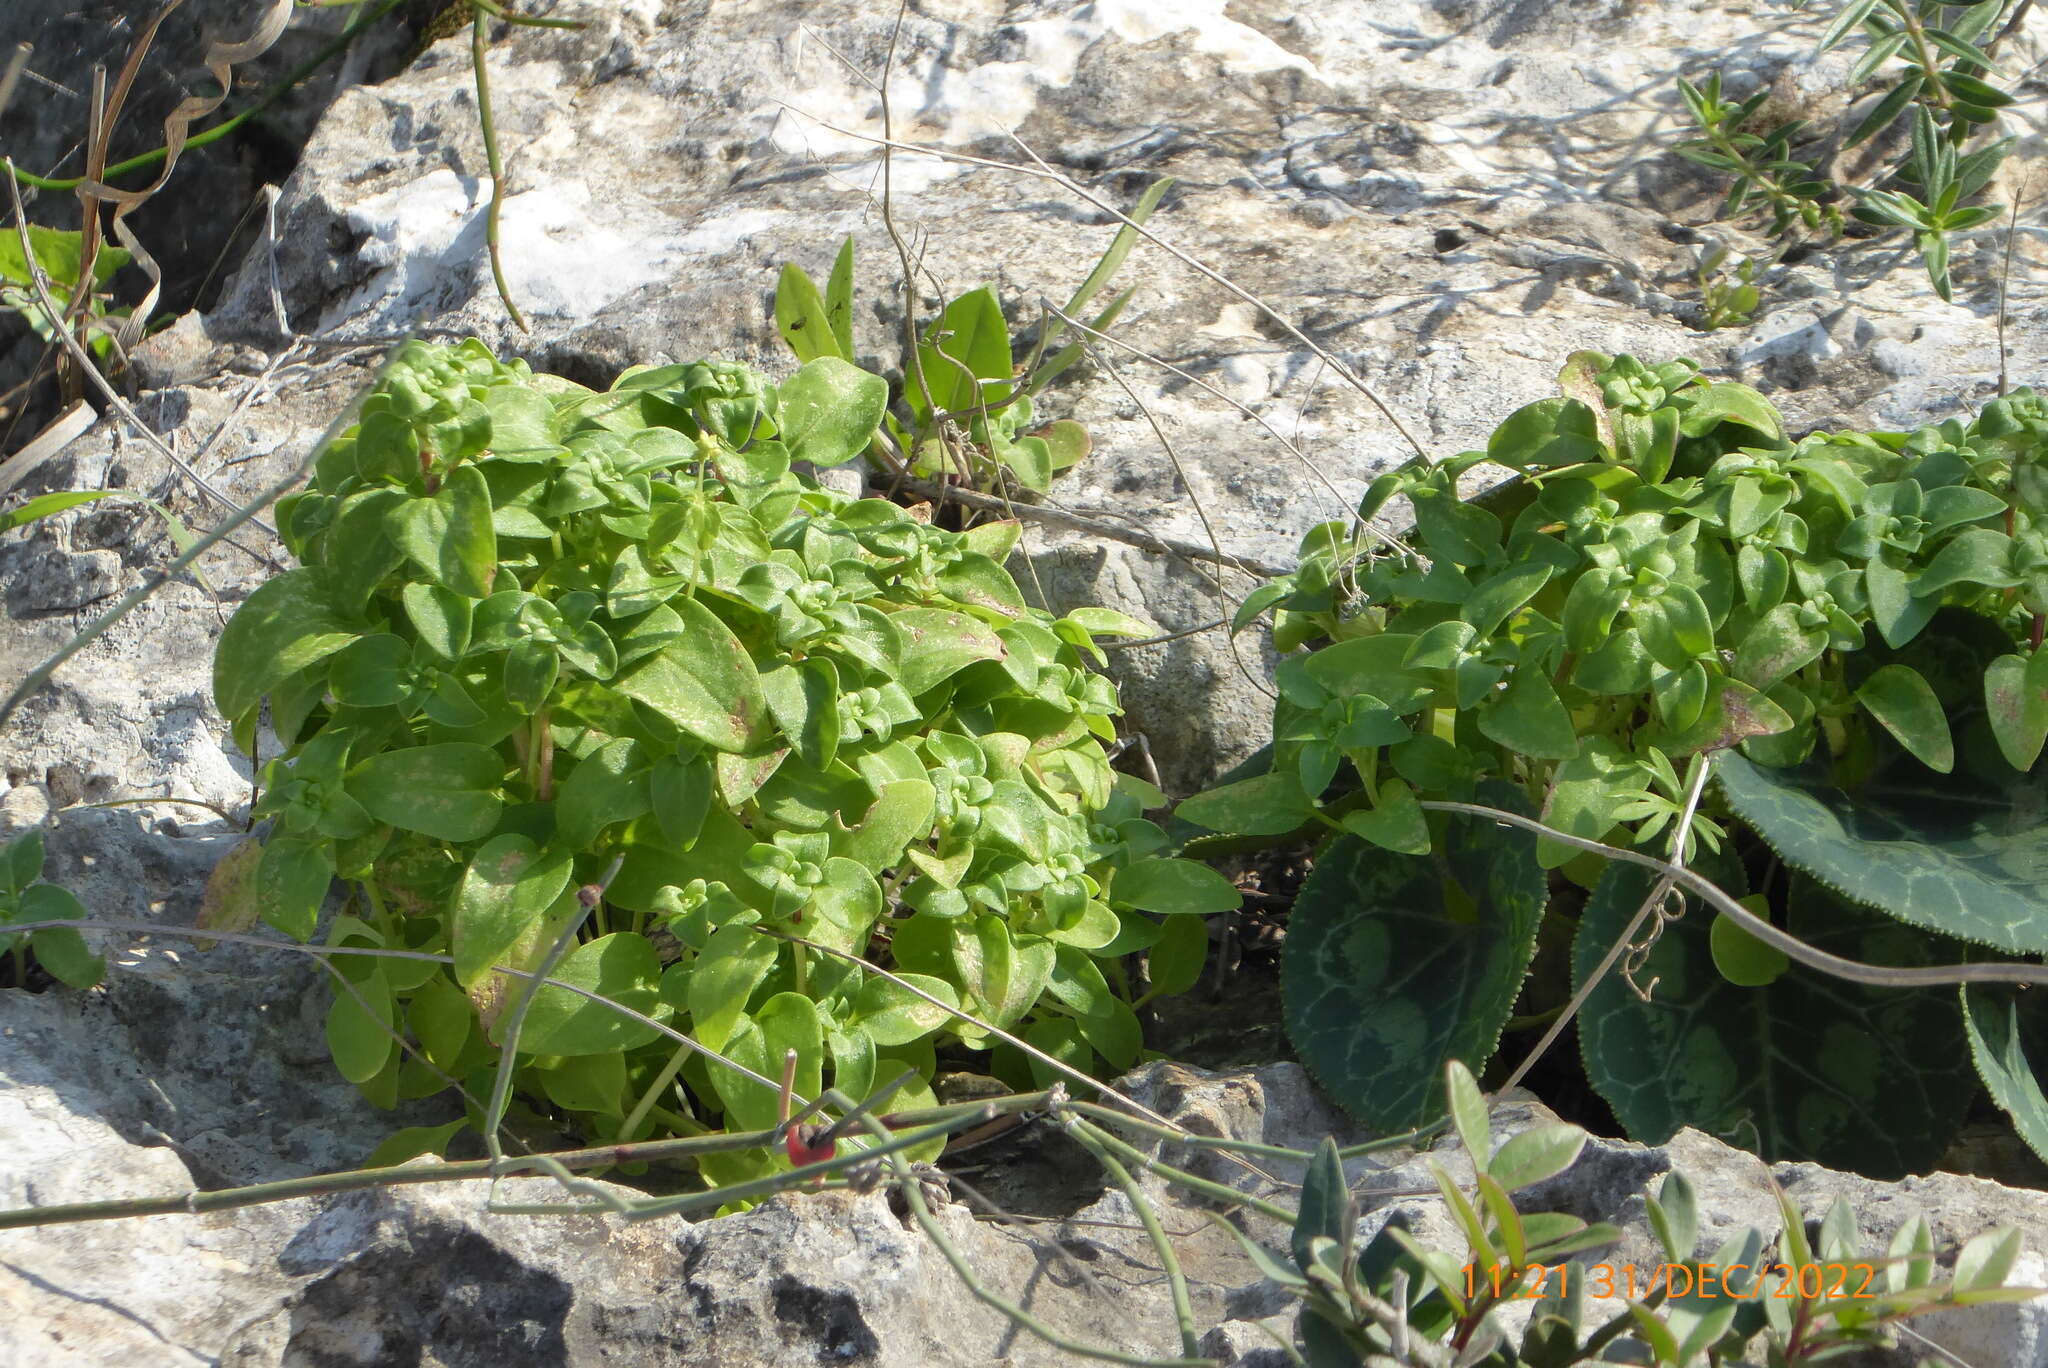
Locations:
(541, 634)
(965, 409)
(1673, 577)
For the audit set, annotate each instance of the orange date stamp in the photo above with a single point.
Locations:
(1745, 1282)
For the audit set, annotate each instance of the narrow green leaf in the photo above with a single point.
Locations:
(1468, 1113)
(49, 505)
(1537, 1154)
(839, 298)
(801, 318)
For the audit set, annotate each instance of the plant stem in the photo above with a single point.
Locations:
(654, 1090)
(479, 46)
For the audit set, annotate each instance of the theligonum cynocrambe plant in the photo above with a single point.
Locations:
(539, 633)
(1845, 626)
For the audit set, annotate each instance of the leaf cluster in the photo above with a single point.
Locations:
(539, 632)
(1848, 620)
(1672, 576)
(25, 897)
(965, 408)
(1925, 57)
(58, 255)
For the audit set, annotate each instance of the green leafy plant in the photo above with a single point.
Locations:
(58, 255)
(1728, 298)
(24, 897)
(539, 633)
(965, 407)
(1849, 622)
(1804, 1295)
(1925, 57)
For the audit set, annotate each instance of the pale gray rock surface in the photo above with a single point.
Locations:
(428, 1274)
(1447, 197)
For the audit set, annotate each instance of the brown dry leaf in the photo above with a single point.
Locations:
(229, 903)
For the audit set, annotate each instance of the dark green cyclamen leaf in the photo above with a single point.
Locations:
(622, 967)
(703, 680)
(2003, 1041)
(1904, 703)
(830, 410)
(1395, 964)
(1169, 886)
(1810, 1067)
(448, 791)
(507, 890)
(284, 626)
(450, 536)
(1966, 858)
(936, 644)
(2016, 700)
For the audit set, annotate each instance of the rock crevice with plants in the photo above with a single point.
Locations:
(812, 678)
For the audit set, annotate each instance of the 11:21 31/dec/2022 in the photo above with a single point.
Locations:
(1785, 1281)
